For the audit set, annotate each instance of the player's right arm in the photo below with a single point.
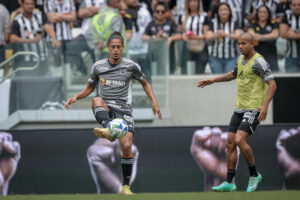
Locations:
(82, 94)
(221, 78)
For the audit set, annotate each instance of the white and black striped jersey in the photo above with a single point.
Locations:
(28, 29)
(86, 4)
(236, 9)
(196, 23)
(271, 4)
(226, 47)
(293, 22)
(62, 29)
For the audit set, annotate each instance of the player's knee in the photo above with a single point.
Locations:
(239, 141)
(97, 101)
(230, 145)
(126, 146)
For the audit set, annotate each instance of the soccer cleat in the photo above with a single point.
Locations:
(103, 133)
(126, 190)
(224, 187)
(253, 183)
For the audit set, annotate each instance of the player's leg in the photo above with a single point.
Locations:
(127, 161)
(247, 127)
(229, 184)
(101, 110)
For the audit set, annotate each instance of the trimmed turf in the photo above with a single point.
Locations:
(270, 195)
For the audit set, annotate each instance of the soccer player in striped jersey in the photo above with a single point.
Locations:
(255, 89)
(114, 76)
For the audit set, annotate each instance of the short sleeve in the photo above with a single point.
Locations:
(137, 73)
(173, 28)
(16, 28)
(48, 6)
(117, 24)
(275, 26)
(93, 79)
(206, 21)
(147, 30)
(285, 20)
(262, 68)
(236, 25)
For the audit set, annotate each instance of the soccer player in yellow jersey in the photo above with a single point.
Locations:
(255, 89)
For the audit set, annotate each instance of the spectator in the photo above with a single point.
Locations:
(60, 14)
(138, 50)
(4, 30)
(195, 27)
(274, 7)
(236, 8)
(265, 31)
(27, 31)
(109, 20)
(126, 19)
(224, 32)
(162, 28)
(289, 29)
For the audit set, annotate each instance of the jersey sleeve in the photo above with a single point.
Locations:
(93, 79)
(117, 24)
(137, 73)
(16, 28)
(285, 20)
(262, 68)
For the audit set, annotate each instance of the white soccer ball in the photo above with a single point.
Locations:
(117, 128)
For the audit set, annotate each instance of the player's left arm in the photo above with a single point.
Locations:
(148, 90)
(264, 108)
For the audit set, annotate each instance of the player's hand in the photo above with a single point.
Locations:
(56, 43)
(156, 109)
(70, 101)
(263, 113)
(204, 83)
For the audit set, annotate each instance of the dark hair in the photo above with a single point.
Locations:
(115, 35)
(24, 1)
(228, 6)
(269, 20)
(161, 3)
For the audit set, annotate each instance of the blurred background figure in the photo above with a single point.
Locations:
(209, 151)
(28, 31)
(104, 158)
(126, 19)
(107, 21)
(224, 33)
(266, 32)
(289, 157)
(290, 30)
(10, 154)
(163, 28)
(273, 5)
(195, 26)
(4, 30)
(61, 14)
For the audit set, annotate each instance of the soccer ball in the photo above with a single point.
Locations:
(117, 128)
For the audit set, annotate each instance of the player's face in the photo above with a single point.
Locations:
(295, 7)
(245, 46)
(115, 49)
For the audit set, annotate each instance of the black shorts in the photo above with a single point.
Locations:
(246, 121)
(125, 115)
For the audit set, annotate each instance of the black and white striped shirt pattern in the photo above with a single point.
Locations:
(62, 29)
(293, 46)
(236, 9)
(86, 4)
(30, 28)
(226, 47)
(196, 23)
(271, 4)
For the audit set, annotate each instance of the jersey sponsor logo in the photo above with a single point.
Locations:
(113, 83)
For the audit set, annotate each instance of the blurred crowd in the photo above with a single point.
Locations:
(208, 30)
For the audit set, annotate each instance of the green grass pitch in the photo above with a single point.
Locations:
(265, 195)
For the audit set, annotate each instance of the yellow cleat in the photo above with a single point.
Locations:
(126, 190)
(103, 133)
